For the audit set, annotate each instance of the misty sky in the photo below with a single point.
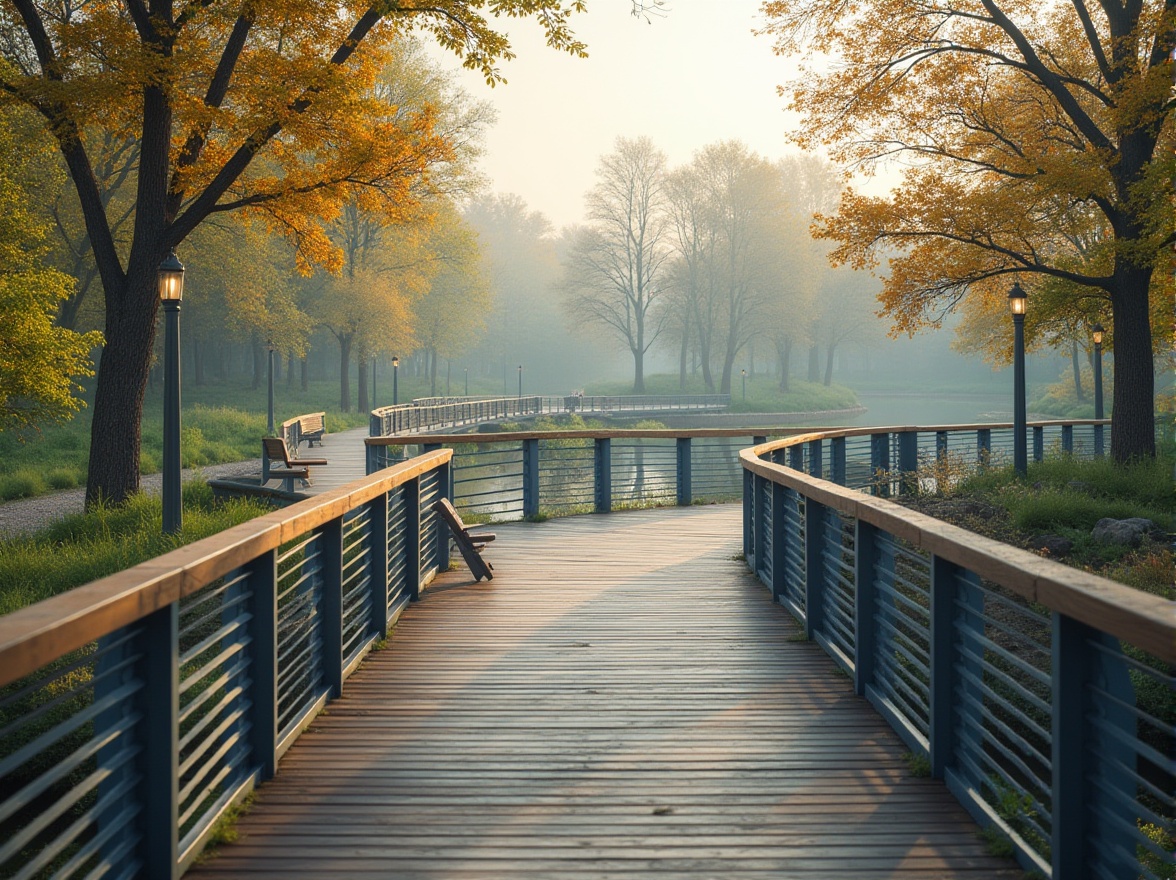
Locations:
(690, 78)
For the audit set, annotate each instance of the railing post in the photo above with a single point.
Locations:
(814, 567)
(412, 538)
(159, 642)
(816, 459)
(865, 554)
(779, 543)
(983, 444)
(685, 489)
(331, 536)
(530, 477)
(837, 460)
(796, 457)
(941, 446)
(371, 458)
(880, 464)
(602, 474)
(942, 659)
(759, 523)
(378, 562)
(908, 462)
(445, 481)
(1038, 443)
(748, 530)
(263, 672)
(1067, 438)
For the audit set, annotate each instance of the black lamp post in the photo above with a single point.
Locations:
(269, 412)
(1096, 333)
(744, 373)
(171, 292)
(1020, 452)
(395, 381)
(520, 381)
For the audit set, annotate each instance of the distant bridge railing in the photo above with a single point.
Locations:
(433, 413)
(136, 710)
(523, 474)
(1042, 694)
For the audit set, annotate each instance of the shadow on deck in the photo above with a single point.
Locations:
(623, 700)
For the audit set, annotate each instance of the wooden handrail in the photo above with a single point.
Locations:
(1139, 618)
(34, 636)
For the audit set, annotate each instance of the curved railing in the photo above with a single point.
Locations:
(136, 710)
(525, 474)
(1042, 694)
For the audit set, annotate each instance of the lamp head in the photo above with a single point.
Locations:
(1096, 333)
(395, 361)
(1017, 300)
(171, 278)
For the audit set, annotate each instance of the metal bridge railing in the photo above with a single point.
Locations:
(135, 711)
(1040, 693)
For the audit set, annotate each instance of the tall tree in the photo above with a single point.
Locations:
(614, 270)
(235, 106)
(1021, 122)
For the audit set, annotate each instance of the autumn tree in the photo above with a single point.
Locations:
(1019, 124)
(234, 106)
(614, 270)
(40, 363)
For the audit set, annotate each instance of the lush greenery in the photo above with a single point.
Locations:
(763, 393)
(1065, 497)
(88, 546)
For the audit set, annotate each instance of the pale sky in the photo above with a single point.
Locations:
(685, 80)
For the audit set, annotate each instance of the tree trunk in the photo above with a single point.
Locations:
(344, 372)
(305, 371)
(431, 366)
(1076, 364)
(784, 353)
(683, 356)
(814, 364)
(638, 372)
(362, 384)
(1133, 425)
(829, 365)
(198, 346)
(118, 397)
(290, 371)
(258, 353)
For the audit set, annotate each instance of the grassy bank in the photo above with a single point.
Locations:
(763, 393)
(88, 546)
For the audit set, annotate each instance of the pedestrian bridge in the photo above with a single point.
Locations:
(625, 698)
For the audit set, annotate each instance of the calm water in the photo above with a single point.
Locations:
(917, 409)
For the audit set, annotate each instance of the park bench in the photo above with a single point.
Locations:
(311, 428)
(469, 545)
(275, 449)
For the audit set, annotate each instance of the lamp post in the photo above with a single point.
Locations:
(395, 381)
(1017, 307)
(1096, 333)
(520, 381)
(269, 410)
(171, 292)
(744, 373)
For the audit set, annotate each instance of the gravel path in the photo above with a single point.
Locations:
(32, 514)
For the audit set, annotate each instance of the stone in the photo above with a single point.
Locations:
(1126, 532)
(1051, 545)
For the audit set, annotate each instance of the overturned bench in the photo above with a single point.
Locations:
(469, 545)
(275, 449)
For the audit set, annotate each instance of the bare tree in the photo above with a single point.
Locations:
(613, 273)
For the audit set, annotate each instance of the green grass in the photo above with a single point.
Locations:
(763, 393)
(88, 546)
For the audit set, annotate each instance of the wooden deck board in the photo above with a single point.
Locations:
(623, 700)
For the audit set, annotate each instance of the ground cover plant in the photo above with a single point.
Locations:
(763, 393)
(88, 546)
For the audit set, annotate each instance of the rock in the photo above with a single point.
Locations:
(1129, 532)
(1052, 545)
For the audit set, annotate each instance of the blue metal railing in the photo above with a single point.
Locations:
(136, 710)
(1043, 695)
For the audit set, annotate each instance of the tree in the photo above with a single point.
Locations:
(239, 106)
(614, 270)
(1021, 124)
(39, 362)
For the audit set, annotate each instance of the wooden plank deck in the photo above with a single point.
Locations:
(623, 700)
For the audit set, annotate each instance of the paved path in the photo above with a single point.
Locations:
(622, 701)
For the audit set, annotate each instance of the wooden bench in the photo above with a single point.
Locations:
(469, 545)
(275, 449)
(311, 428)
